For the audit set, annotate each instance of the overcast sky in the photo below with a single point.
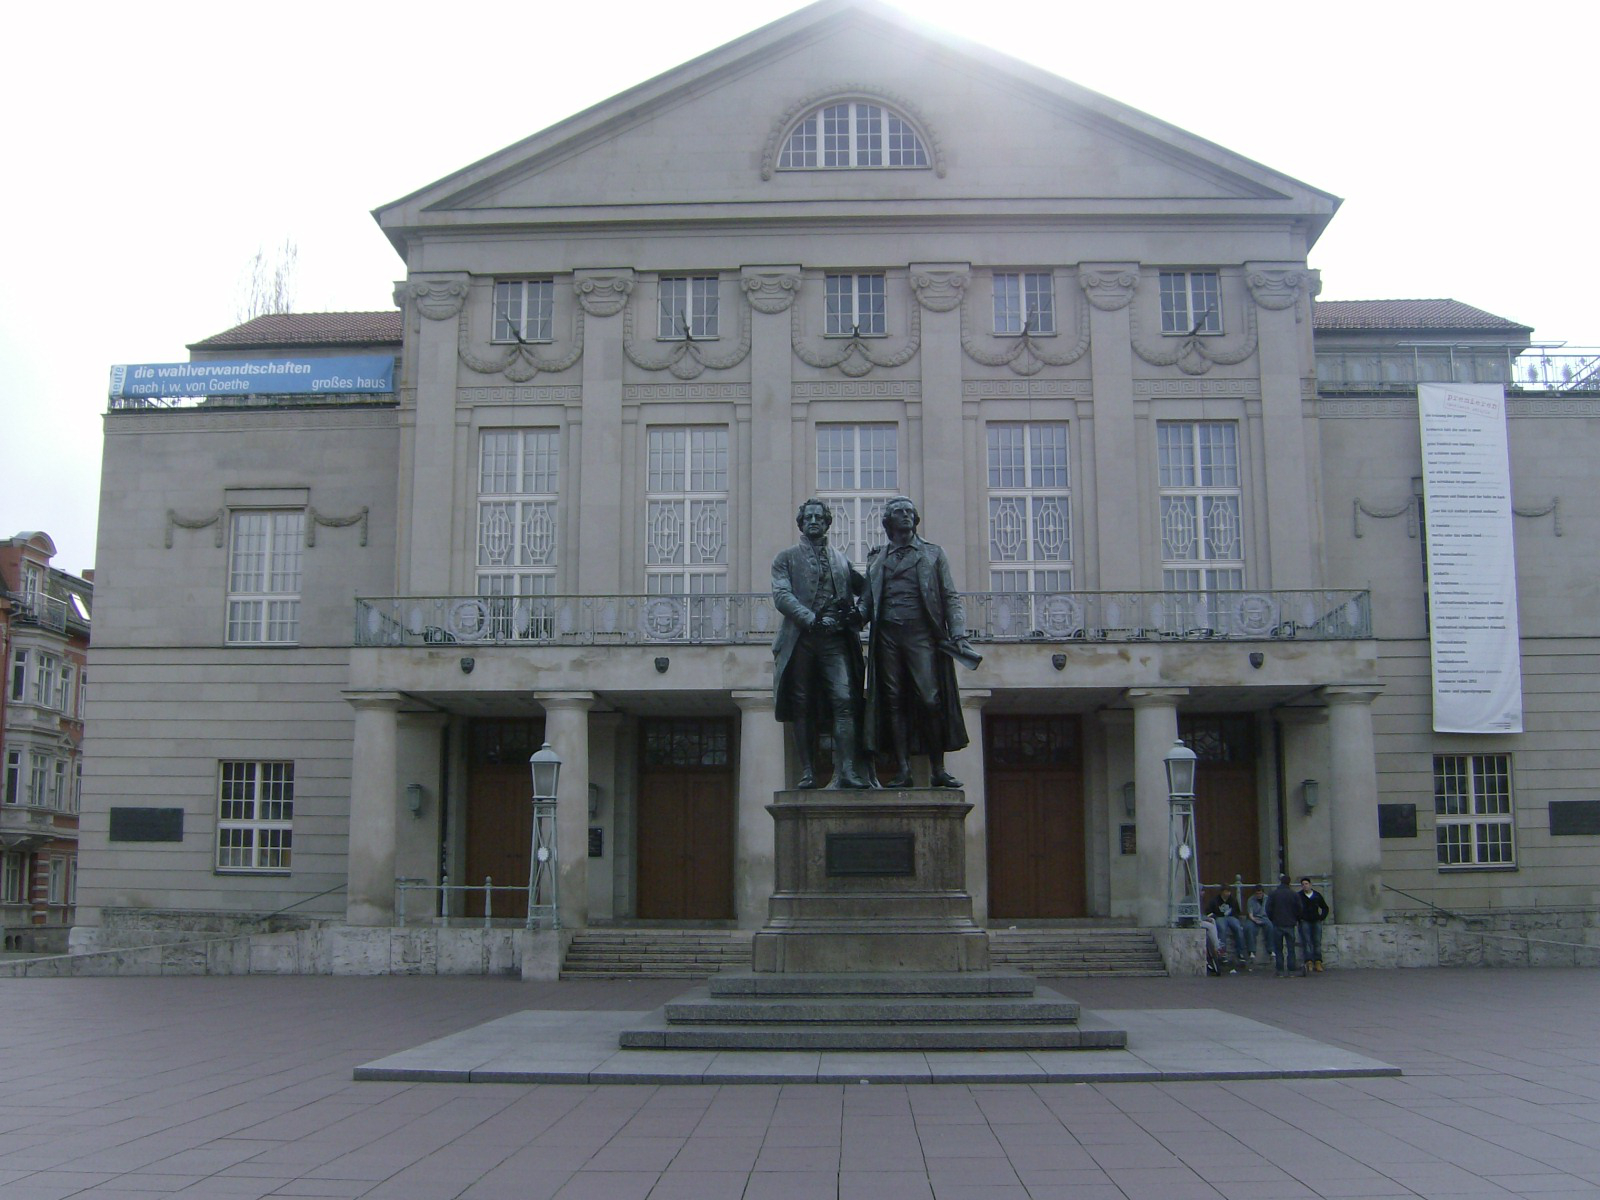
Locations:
(151, 148)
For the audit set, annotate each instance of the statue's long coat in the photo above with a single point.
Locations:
(945, 613)
(794, 591)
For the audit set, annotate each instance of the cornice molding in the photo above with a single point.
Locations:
(909, 389)
(637, 393)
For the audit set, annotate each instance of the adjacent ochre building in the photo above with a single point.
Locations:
(841, 256)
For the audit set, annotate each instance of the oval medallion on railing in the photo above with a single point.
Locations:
(1060, 616)
(663, 618)
(1254, 615)
(468, 620)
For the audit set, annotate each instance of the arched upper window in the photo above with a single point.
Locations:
(852, 133)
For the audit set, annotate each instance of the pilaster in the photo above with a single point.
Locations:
(967, 765)
(1357, 853)
(760, 778)
(434, 304)
(374, 809)
(774, 448)
(601, 294)
(1109, 288)
(939, 288)
(566, 728)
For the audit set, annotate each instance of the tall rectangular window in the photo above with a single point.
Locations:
(255, 816)
(46, 678)
(57, 885)
(1474, 825)
(1030, 509)
(687, 305)
(858, 472)
(19, 674)
(11, 879)
(524, 309)
(38, 778)
(63, 697)
(1202, 523)
(265, 558)
(1191, 302)
(686, 511)
(58, 785)
(13, 780)
(855, 306)
(1026, 300)
(519, 484)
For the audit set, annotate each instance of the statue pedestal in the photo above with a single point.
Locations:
(870, 881)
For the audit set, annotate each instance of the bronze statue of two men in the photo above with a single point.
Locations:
(903, 699)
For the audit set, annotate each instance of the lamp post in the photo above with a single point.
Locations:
(1183, 867)
(546, 767)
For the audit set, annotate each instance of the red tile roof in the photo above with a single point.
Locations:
(1407, 316)
(308, 329)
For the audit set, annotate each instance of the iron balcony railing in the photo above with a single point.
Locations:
(50, 612)
(740, 618)
(1566, 370)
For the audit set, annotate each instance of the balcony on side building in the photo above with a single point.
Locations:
(1538, 370)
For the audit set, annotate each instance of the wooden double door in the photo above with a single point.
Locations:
(1227, 823)
(1034, 797)
(685, 820)
(499, 812)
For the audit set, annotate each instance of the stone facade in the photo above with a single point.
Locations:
(560, 527)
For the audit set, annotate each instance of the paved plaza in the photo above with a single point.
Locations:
(243, 1087)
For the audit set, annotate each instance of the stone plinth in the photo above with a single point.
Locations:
(870, 881)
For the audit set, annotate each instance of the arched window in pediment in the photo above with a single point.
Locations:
(847, 132)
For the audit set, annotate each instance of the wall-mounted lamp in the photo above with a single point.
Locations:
(414, 799)
(663, 663)
(1129, 795)
(467, 664)
(1058, 661)
(1308, 793)
(594, 801)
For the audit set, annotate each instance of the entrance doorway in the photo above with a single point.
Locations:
(685, 824)
(1227, 821)
(1033, 774)
(500, 812)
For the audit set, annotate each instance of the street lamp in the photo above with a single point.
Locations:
(1183, 868)
(546, 768)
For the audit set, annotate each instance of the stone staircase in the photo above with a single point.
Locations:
(1077, 952)
(644, 953)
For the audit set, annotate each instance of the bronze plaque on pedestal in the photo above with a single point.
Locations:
(870, 854)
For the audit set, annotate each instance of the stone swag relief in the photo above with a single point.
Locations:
(903, 699)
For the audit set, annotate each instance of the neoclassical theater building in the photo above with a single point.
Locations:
(844, 256)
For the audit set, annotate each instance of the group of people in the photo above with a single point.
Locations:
(903, 699)
(1283, 921)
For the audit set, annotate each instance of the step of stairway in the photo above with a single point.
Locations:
(656, 1033)
(746, 984)
(698, 1007)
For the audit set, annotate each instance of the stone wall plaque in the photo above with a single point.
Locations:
(1397, 820)
(597, 841)
(1128, 836)
(146, 824)
(1573, 818)
(871, 854)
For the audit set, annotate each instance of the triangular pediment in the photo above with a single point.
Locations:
(703, 139)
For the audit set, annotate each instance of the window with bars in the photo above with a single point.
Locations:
(524, 310)
(1025, 301)
(255, 816)
(687, 307)
(855, 306)
(1030, 508)
(1191, 302)
(1202, 524)
(265, 559)
(686, 512)
(858, 472)
(852, 133)
(1474, 824)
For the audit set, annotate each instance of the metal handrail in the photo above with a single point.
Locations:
(487, 889)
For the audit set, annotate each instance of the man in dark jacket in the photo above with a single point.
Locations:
(1283, 911)
(1313, 912)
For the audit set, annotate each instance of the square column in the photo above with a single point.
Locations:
(1155, 728)
(1353, 764)
(967, 765)
(566, 728)
(374, 810)
(760, 778)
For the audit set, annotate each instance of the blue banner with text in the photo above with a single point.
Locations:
(255, 377)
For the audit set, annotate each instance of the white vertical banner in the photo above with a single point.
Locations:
(1472, 568)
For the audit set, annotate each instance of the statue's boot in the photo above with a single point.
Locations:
(845, 774)
(900, 735)
(938, 776)
(803, 741)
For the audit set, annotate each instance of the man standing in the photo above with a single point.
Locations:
(918, 627)
(818, 651)
(1313, 912)
(1283, 910)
